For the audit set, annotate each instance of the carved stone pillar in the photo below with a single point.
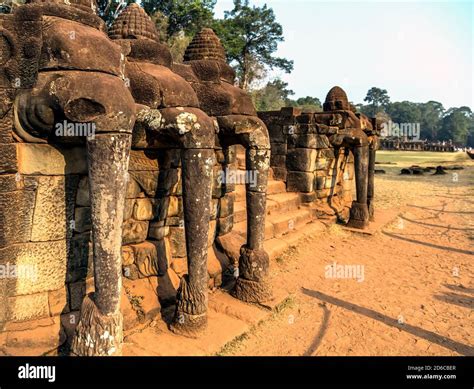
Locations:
(191, 307)
(99, 331)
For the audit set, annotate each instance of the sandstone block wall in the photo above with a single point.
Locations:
(303, 157)
(45, 237)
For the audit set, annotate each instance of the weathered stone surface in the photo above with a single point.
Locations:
(224, 225)
(308, 197)
(158, 231)
(82, 196)
(16, 216)
(180, 266)
(167, 287)
(16, 182)
(300, 182)
(128, 209)
(6, 122)
(82, 218)
(54, 208)
(147, 180)
(143, 209)
(226, 205)
(163, 250)
(79, 258)
(280, 173)
(301, 160)
(142, 296)
(131, 272)
(58, 303)
(326, 153)
(172, 206)
(174, 221)
(169, 182)
(134, 231)
(315, 141)
(77, 292)
(94, 327)
(324, 182)
(28, 307)
(51, 160)
(212, 233)
(278, 161)
(133, 189)
(220, 157)
(322, 164)
(36, 337)
(214, 208)
(128, 257)
(323, 193)
(278, 148)
(8, 158)
(42, 264)
(230, 244)
(150, 257)
(177, 241)
(347, 185)
(141, 160)
(216, 265)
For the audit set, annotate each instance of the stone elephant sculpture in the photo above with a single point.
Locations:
(359, 134)
(62, 70)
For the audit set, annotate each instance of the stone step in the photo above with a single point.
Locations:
(279, 224)
(280, 202)
(277, 246)
(273, 188)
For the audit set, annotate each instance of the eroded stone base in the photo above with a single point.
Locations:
(371, 211)
(190, 318)
(252, 291)
(97, 334)
(359, 216)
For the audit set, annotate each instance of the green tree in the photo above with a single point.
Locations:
(378, 99)
(250, 36)
(457, 125)
(110, 9)
(431, 115)
(404, 112)
(308, 103)
(188, 16)
(273, 96)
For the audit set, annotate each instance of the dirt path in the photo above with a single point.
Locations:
(415, 290)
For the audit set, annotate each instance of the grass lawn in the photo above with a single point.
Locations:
(408, 158)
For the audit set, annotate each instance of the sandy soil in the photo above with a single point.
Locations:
(416, 296)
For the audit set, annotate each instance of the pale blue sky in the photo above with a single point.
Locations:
(417, 50)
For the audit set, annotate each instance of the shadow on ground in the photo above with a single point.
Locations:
(430, 336)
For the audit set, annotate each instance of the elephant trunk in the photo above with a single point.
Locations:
(359, 214)
(99, 331)
(371, 182)
(191, 307)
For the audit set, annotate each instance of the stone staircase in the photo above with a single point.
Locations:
(286, 214)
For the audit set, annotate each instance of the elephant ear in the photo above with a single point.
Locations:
(20, 48)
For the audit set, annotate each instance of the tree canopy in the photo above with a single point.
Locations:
(377, 99)
(187, 16)
(436, 123)
(250, 36)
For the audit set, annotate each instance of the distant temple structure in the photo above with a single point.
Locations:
(403, 144)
